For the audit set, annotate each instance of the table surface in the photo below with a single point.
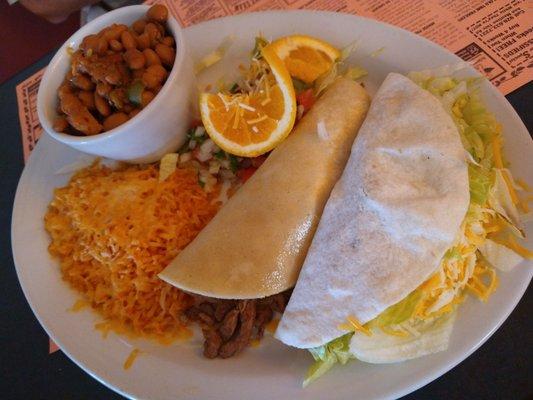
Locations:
(500, 369)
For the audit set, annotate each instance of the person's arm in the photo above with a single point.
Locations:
(55, 10)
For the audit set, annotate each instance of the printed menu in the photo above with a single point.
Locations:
(27, 106)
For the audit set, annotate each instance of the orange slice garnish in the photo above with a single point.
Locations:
(254, 122)
(305, 57)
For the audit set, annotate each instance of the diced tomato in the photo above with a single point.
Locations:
(196, 122)
(306, 99)
(246, 173)
(196, 152)
(257, 161)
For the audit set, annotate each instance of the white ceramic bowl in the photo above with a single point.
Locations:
(158, 129)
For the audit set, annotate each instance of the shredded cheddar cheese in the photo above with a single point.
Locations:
(523, 206)
(510, 186)
(478, 287)
(523, 184)
(113, 231)
(131, 358)
(354, 325)
(79, 305)
(497, 153)
(392, 332)
(462, 269)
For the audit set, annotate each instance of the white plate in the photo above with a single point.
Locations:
(272, 370)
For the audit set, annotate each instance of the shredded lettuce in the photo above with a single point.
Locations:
(339, 68)
(260, 42)
(399, 312)
(336, 351)
(355, 73)
(480, 184)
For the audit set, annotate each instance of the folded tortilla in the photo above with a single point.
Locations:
(389, 220)
(255, 246)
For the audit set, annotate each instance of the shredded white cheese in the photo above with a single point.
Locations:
(257, 120)
(226, 105)
(247, 107)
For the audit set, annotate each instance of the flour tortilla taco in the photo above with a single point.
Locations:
(402, 232)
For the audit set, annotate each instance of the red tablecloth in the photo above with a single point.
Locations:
(26, 38)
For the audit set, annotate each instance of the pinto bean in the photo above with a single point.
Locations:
(82, 82)
(146, 97)
(157, 12)
(89, 44)
(143, 41)
(135, 59)
(165, 53)
(157, 89)
(60, 124)
(103, 46)
(128, 41)
(115, 45)
(115, 120)
(102, 106)
(114, 31)
(134, 112)
(87, 98)
(138, 26)
(151, 57)
(153, 33)
(78, 116)
(113, 77)
(154, 76)
(137, 74)
(103, 89)
(168, 41)
(157, 70)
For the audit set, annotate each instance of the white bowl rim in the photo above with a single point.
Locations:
(93, 27)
